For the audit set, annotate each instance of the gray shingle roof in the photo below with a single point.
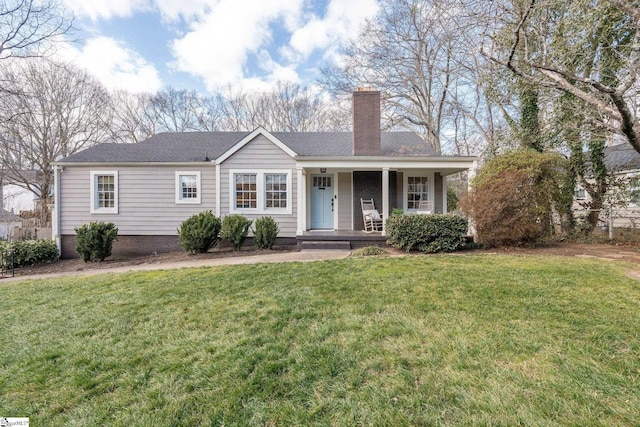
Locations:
(621, 157)
(198, 146)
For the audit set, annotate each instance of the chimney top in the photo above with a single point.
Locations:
(366, 122)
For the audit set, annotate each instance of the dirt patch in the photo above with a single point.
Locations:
(600, 251)
(610, 252)
(77, 265)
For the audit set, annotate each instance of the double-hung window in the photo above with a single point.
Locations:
(262, 191)
(104, 192)
(188, 189)
(275, 190)
(417, 190)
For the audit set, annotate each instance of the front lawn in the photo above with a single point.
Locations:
(438, 340)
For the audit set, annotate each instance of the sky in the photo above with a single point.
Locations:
(205, 45)
(209, 45)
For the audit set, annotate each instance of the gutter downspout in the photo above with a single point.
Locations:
(56, 208)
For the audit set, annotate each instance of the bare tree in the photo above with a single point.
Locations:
(130, 121)
(174, 110)
(62, 110)
(408, 52)
(28, 26)
(590, 49)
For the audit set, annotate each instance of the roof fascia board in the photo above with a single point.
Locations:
(244, 141)
(464, 163)
(104, 164)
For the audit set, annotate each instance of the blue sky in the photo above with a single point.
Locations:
(207, 45)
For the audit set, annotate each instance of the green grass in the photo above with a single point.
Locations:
(438, 340)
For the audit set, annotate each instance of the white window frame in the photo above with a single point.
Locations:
(94, 193)
(261, 190)
(580, 193)
(188, 201)
(405, 190)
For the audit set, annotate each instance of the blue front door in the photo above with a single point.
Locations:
(321, 202)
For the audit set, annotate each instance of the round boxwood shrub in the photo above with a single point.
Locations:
(235, 229)
(200, 232)
(265, 233)
(94, 241)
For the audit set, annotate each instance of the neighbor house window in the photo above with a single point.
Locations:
(580, 193)
(261, 191)
(246, 185)
(188, 187)
(104, 192)
(417, 190)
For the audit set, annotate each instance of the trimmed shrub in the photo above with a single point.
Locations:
(235, 229)
(427, 233)
(200, 232)
(265, 233)
(29, 252)
(95, 241)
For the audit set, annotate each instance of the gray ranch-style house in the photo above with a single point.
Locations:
(309, 182)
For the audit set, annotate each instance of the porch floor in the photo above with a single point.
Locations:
(356, 239)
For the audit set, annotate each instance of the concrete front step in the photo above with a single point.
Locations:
(325, 245)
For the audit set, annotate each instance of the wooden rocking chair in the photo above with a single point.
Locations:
(371, 216)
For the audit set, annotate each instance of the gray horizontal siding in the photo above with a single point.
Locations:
(345, 215)
(261, 154)
(146, 199)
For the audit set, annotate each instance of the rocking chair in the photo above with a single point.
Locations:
(371, 216)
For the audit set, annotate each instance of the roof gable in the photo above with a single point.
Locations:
(244, 141)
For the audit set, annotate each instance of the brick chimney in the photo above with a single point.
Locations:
(366, 122)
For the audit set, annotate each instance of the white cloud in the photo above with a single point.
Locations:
(342, 22)
(116, 66)
(106, 9)
(187, 9)
(218, 46)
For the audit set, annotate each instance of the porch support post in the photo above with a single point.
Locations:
(385, 198)
(301, 201)
(218, 195)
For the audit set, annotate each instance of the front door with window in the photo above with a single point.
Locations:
(322, 202)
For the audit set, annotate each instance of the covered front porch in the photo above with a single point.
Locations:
(330, 192)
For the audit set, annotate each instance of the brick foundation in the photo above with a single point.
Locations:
(128, 246)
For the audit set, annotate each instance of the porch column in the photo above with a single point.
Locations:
(385, 198)
(218, 195)
(301, 201)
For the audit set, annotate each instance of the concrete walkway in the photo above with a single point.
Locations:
(304, 256)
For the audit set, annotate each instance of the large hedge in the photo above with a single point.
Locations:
(24, 253)
(514, 195)
(427, 233)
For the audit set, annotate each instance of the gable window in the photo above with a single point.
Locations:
(261, 191)
(104, 192)
(188, 188)
(417, 190)
(580, 193)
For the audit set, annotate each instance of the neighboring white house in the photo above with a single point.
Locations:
(623, 161)
(306, 181)
(8, 223)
